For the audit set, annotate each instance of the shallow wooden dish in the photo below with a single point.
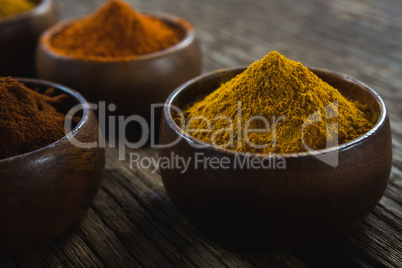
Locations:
(132, 85)
(306, 202)
(19, 35)
(44, 192)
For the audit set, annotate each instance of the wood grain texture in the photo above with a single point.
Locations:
(132, 221)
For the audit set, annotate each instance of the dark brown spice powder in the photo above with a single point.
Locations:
(28, 120)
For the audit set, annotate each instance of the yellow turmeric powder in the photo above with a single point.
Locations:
(276, 106)
(14, 7)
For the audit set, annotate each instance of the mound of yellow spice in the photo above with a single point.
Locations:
(291, 110)
(114, 32)
(14, 7)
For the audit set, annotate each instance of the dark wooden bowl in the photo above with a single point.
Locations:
(19, 35)
(132, 85)
(308, 201)
(44, 192)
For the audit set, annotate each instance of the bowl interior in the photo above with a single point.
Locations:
(200, 87)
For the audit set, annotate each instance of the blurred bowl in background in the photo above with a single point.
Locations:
(133, 85)
(19, 36)
(45, 192)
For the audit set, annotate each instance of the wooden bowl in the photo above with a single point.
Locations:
(132, 85)
(307, 201)
(44, 192)
(19, 35)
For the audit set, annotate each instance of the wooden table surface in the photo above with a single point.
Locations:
(133, 222)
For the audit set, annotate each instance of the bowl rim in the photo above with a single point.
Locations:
(342, 147)
(187, 27)
(66, 90)
(38, 9)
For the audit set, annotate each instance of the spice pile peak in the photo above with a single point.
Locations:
(276, 106)
(114, 32)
